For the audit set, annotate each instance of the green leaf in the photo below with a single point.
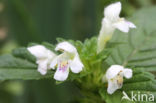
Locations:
(88, 50)
(24, 53)
(8, 61)
(139, 48)
(114, 98)
(24, 74)
(18, 68)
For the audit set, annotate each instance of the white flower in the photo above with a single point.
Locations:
(43, 56)
(114, 76)
(110, 22)
(68, 59)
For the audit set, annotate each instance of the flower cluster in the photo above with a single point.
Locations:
(44, 57)
(114, 76)
(47, 59)
(69, 59)
(110, 22)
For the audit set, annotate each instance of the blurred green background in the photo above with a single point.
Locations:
(24, 21)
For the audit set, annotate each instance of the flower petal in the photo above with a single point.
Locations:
(41, 52)
(38, 51)
(61, 75)
(112, 11)
(128, 73)
(76, 65)
(113, 71)
(105, 34)
(112, 87)
(50, 54)
(122, 25)
(107, 28)
(130, 24)
(42, 66)
(66, 46)
(54, 63)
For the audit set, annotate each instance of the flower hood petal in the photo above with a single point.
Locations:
(76, 65)
(38, 51)
(66, 46)
(112, 11)
(50, 54)
(113, 71)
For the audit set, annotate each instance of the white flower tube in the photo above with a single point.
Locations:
(114, 76)
(43, 56)
(69, 59)
(110, 22)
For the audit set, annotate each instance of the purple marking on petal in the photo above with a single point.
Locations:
(63, 66)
